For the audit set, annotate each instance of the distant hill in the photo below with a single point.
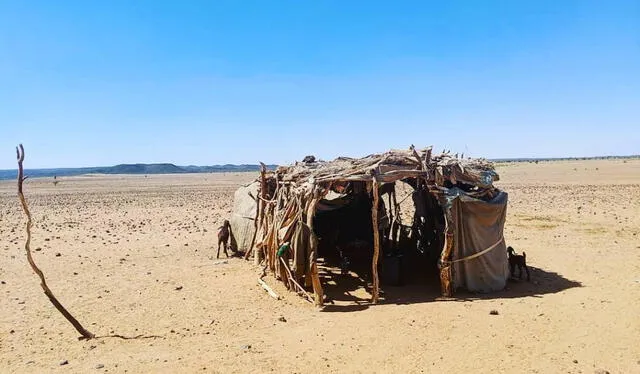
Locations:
(132, 169)
(143, 169)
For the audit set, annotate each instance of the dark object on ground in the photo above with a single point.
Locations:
(517, 260)
(344, 263)
(223, 237)
(392, 270)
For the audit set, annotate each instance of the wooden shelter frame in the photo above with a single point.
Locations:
(288, 198)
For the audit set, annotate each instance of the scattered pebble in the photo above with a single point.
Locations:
(178, 288)
(99, 366)
(64, 362)
(58, 254)
(282, 319)
(246, 347)
(494, 312)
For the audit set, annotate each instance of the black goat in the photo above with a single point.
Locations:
(518, 260)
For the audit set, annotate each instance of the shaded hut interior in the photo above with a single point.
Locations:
(410, 239)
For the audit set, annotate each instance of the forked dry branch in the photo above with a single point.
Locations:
(27, 246)
(85, 334)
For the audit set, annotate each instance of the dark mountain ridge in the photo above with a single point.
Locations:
(163, 168)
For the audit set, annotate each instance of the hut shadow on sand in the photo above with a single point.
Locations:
(342, 292)
(335, 231)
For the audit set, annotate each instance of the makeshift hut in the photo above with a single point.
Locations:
(289, 215)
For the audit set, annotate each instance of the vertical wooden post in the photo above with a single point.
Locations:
(376, 240)
(257, 252)
(315, 276)
(445, 265)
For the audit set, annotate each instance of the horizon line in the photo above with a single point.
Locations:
(495, 160)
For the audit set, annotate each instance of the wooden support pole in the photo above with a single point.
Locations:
(315, 276)
(376, 241)
(445, 257)
(262, 205)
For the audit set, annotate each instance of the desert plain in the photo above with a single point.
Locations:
(135, 255)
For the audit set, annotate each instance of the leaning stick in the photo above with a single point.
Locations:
(268, 289)
(300, 288)
(27, 246)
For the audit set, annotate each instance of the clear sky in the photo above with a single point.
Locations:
(97, 83)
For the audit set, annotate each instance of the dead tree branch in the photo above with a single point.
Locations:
(27, 246)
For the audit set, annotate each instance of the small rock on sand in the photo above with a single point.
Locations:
(99, 366)
(64, 362)
(494, 312)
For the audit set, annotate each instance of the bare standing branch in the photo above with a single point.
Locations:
(27, 246)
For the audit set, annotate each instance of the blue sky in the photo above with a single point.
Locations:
(96, 83)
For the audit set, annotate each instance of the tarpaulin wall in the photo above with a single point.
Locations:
(479, 254)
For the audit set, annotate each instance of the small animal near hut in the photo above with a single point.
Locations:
(519, 261)
(224, 232)
(323, 208)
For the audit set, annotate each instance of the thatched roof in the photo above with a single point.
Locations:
(392, 166)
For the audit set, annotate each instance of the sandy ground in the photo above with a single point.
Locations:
(134, 255)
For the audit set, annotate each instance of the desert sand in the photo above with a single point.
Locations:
(135, 255)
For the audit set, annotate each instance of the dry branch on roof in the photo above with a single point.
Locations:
(391, 166)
